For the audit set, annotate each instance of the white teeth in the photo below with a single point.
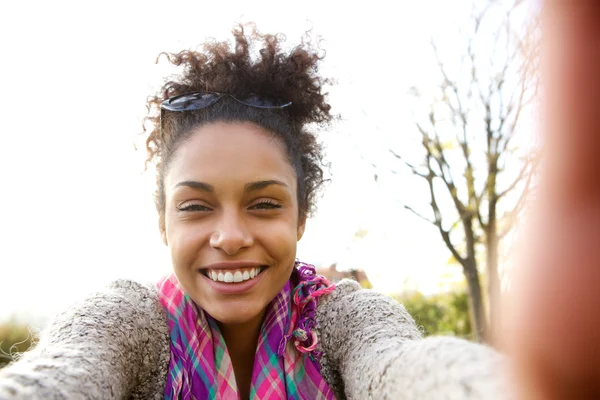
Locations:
(237, 277)
(233, 276)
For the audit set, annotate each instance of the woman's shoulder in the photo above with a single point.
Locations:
(111, 344)
(119, 299)
(354, 325)
(124, 318)
(143, 294)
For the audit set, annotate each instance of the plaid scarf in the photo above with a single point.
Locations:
(286, 365)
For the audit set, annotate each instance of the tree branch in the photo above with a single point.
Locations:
(420, 215)
(526, 172)
(409, 165)
(438, 218)
(461, 114)
(443, 164)
(521, 201)
(528, 78)
(478, 199)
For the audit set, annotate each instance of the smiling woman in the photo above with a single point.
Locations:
(247, 220)
(240, 317)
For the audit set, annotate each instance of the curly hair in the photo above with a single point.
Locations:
(240, 71)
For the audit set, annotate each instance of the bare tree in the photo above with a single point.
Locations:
(477, 168)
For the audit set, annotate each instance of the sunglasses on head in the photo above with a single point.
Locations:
(199, 100)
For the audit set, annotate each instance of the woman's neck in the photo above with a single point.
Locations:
(241, 340)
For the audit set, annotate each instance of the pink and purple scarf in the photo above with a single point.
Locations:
(286, 365)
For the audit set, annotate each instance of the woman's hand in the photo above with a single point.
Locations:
(553, 329)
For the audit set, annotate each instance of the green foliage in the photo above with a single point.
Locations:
(15, 338)
(440, 314)
(365, 284)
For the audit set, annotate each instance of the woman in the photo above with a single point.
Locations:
(237, 173)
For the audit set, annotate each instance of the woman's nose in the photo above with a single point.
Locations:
(231, 234)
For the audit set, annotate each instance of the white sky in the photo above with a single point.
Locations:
(75, 209)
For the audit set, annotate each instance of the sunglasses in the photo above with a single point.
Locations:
(199, 100)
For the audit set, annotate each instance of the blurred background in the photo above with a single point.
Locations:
(432, 160)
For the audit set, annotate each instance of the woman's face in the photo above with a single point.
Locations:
(231, 219)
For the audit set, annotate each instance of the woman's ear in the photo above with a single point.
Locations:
(301, 227)
(163, 230)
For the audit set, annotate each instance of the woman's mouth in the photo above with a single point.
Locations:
(233, 275)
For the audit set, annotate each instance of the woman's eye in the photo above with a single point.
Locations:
(266, 205)
(193, 207)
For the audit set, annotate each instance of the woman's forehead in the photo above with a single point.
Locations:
(234, 152)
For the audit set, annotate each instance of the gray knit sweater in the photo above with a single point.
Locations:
(115, 345)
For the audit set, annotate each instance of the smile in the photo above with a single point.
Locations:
(233, 276)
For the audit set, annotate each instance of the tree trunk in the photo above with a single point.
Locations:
(491, 233)
(476, 309)
(494, 291)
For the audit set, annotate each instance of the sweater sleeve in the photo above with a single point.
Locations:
(372, 349)
(111, 346)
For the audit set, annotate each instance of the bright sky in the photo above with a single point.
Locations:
(75, 209)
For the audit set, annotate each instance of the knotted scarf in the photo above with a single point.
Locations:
(286, 364)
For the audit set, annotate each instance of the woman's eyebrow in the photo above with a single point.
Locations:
(205, 187)
(251, 186)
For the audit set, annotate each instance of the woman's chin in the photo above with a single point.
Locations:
(235, 314)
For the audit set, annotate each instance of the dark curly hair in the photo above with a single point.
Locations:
(240, 71)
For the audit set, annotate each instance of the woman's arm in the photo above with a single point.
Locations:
(114, 345)
(374, 350)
